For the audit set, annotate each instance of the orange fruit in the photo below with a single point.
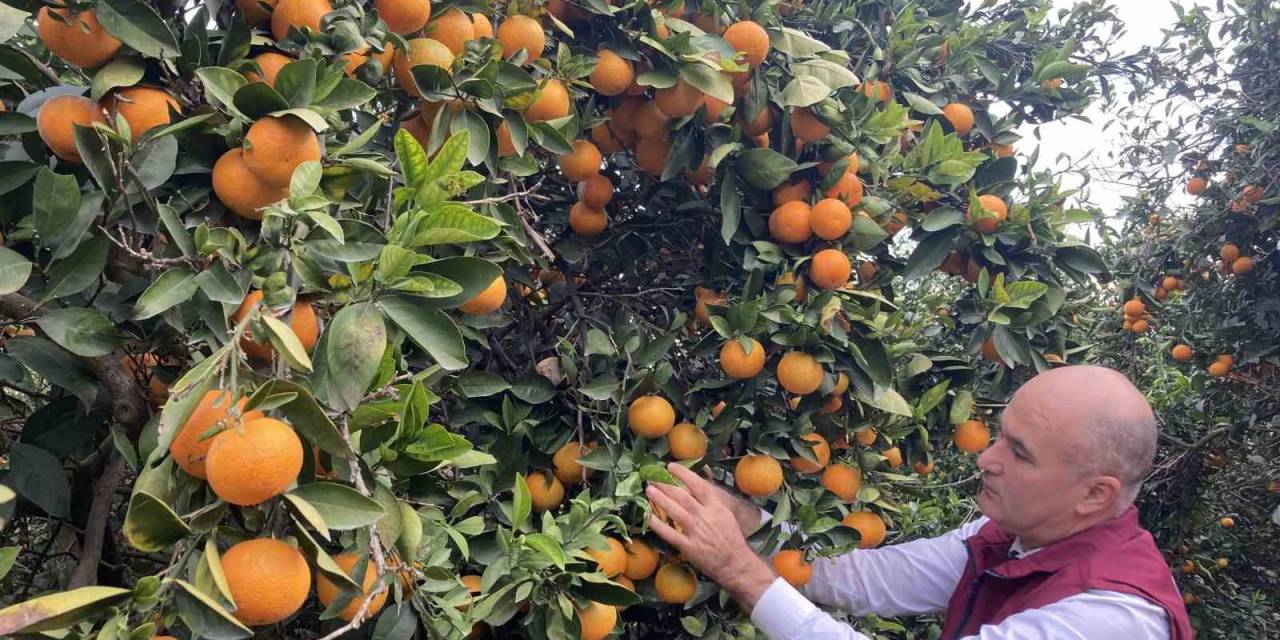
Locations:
(830, 269)
(989, 351)
(357, 59)
(1182, 353)
(789, 279)
(675, 583)
(419, 51)
(268, 579)
(842, 480)
(821, 451)
(587, 222)
(800, 191)
(1242, 265)
(188, 449)
(1252, 193)
(791, 222)
(893, 456)
(473, 584)
(799, 373)
(750, 38)
(847, 189)
(651, 416)
(1227, 522)
(870, 527)
(612, 560)
(680, 100)
(831, 219)
(738, 363)
(807, 127)
(895, 223)
(297, 14)
(552, 102)
(597, 620)
(642, 560)
(403, 16)
(566, 463)
(275, 146)
(831, 405)
(876, 90)
(78, 39)
(997, 210)
(487, 301)
(652, 154)
(603, 135)
(922, 468)
(141, 369)
(545, 490)
(453, 29)
(522, 32)
(1219, 369)
(649, 120)
(687, 442)
(971, 436)
(254, 13)
(865, 437)
(1002, 150)
(790, 566)
(960, 116)
(758, 475)
(56, 122)
(1140, 326)
(142, 107)
(302, 320)
(1197, 185)
(271, 63)
(327, 592)
(715, 108)
(1170, 283)
(760, 124)
(582, 163)
(255, 462)
(1229, 252)
(612, 74)
(481, 26)
(239, 188)
(842, 383)
(704, 297)
(1134, 308)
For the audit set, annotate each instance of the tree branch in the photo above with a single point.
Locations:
(95, 528)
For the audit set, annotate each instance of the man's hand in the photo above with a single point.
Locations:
(709, 535)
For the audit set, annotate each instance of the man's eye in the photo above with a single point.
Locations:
(1017, 453)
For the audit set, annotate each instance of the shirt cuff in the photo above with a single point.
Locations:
(781, 611)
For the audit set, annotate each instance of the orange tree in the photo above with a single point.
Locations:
(407, 302)
(1194, 315)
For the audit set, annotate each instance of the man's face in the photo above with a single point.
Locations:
(1029, 480)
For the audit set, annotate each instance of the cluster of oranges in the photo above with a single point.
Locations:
(1168, 285)
(142, 108)
(1232, 261)
(1136, 317)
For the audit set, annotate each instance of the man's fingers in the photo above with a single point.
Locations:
(667, 533)
(701, 488)
(679, 494)
(677, 512)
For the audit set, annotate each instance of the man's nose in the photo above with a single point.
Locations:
(989, 462)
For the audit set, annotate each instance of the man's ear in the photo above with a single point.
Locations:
(1103, 494)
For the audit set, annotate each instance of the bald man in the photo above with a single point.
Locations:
(1058, 554)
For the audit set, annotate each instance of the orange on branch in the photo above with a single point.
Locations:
(552, 102)
(453, 29)
(582, 163)
(255, 462)
(521, 32)
(188, 448)
(675, 583)
(960, 116)
(738, 363)
(275, 146)
(799, 373)
(971, 436)
(597, 620)
(679, 101)
(1182, 353)
(790, 566)
(847, 189)
(144, 108)
(297, 14)
(76, 38)
(419, 51)
(57, 119)
(271, 63)
(545, 490)
(831, 219)
(612, 74)
(612, 560)
(869, 526)
(807, 127)
(996, 212)
(758, 475)
(302, 320)
(652, 155)
(842, 480)
(587, 222)
(791, 222)
(798, 191)
(240, 189)
(487, 301)
(750, 38)
(830, 269)
(821, 451)
(642, 560)
(651, 416)
(687, 442)
(268, 579)
(327, 592)
(567, 465)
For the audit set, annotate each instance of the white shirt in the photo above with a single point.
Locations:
(918, 577)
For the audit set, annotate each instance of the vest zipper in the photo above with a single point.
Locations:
(973, 593)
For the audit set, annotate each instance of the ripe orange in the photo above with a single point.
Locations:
(255, 462)
(675, 583)
(1242, 265)
(613, 74)
(597, 620)
(566, 463)
(996, 208)
(1197, 185)
(78, 39)
(403, 16)
(1002, 150)
(587, 222)
(582, 163)
(790, 279)
(268, 579)
(971, 436)
(1252, 193)
(552, 102)
(357, 59)
(651, 416)
(419, 51)
(487, 301)
(453, 29)
(607, 139)
(302, 320)
(842, 480)
(687, 442)
(1227, 522)
(830, 269)
(141, 369)
(807, 127)
(760, 124)
(1182, 353)
(56, 122)
(239, 188)
(297, 14)
(865, 437)
(876, 90)
(738, 363)
(750, 38)
(188, 449)
(652, 154)
(922, 468)
(1228, 252)
(715, 108)
(758, 475)
(271, 63)
(327, 592)
(545, 490)
(799, 191)
(842, 383)
(275, 146)
(649, 120)
(1171, 283)
(799, 373)
(473, 584)
(791, 222)
(1219, 369)
(680, 100)
(831, 405)
(821, 451)
(870, 527)
(893, 456)
(831, 219)
(790, 566)
(1140, 326)
(521, 32)
(1134, 308)
(612, 560)
(848, 189)
(142, 107)
(642, 560)
(481, 26)
(960, 116)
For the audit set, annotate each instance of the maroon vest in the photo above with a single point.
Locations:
(1117, 555)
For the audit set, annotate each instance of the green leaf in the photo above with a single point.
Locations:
(930, 399)
(78, 271)
(357, 337)
(941, 218)
(888, 400)
(59, 610)
(221, 285)
(961, 407)
(205, 617)
(258, 99)
(764, 169)
(306, 415)
(921, 104)
(435, 444)
(805, 91)
(84, 332)
(795, 43)
(121, 71)
(55, 365)
(15, 173)
(730, 207)
(412, 158)
(308, 513)
(432, 330)
(454, 224)
(174, 286)
(7, 554)
(1081, 258)
(54, 203)
(37, 475)
(221, 84)
(296, 82)
(346, 95)
(12, 20)
(709, 81)
(286, 342)
(929, 254)
(304, 182)
(448, 160)
(522, 502)
(15, 269)
(547, 546)
(481, 384)
(138, 25)
(150, 525)
(13, 123)
(342, 507)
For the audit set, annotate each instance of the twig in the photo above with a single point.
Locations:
(95, 530)
(1192, 446)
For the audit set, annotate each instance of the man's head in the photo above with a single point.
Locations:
(1074, 445)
